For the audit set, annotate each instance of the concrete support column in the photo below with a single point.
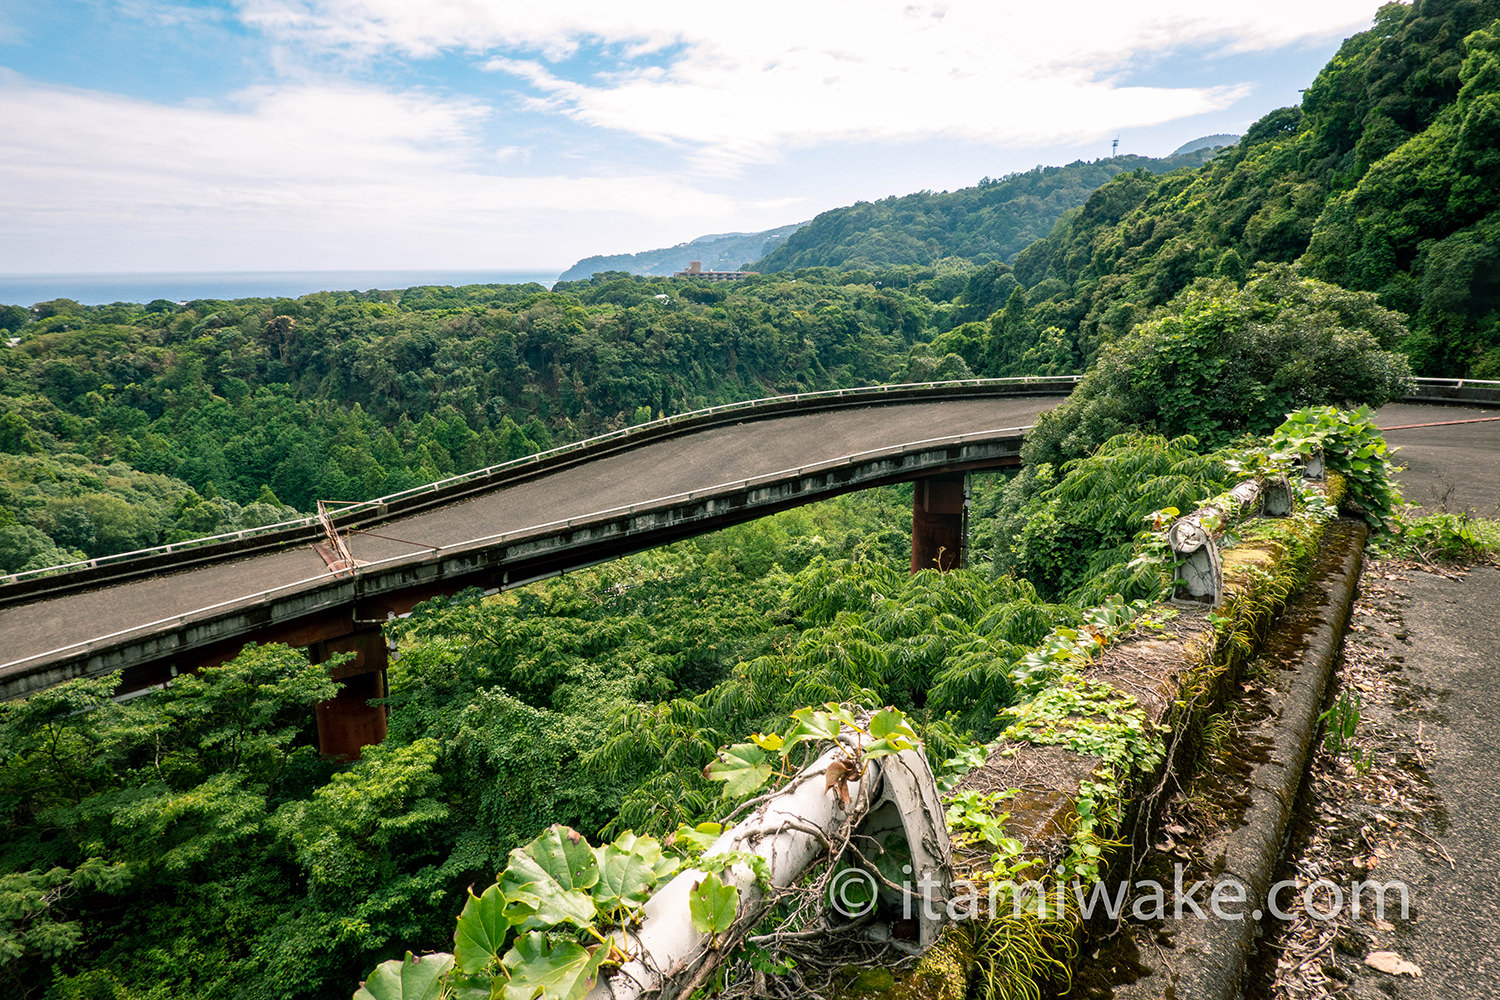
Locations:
(938, 522)
(348, 722)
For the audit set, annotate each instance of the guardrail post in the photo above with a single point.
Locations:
(937, 522)
(893, 806)
(1198, 573)
(1198, 577)
(1313, 466)
(347, 722)
(1276, 498)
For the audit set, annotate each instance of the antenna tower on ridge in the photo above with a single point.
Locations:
(1114, 147)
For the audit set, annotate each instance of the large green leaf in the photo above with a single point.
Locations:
(478, 987)
(700, 837)
(743, 769)
(891, 732)
(712, 904)
(566, 856)
(534, 898)
(483, 927)
(412, 978)
(552, 876)
(652, 850)
(628, 870)
(812, 724)
(888, 723)
(563, 971)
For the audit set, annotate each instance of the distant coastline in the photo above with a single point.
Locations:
(183, 286)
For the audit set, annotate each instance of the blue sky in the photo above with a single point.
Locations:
(343, 134)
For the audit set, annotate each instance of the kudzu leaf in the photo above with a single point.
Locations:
(528, 886)
(626, 878)
(712, 904)
(886, 747)
(772, 742)
(701, 836)
(563, 971)
(649, 848)
(811, 724)
(462, 987)
(890, 722)
(566, 856)
(411, 978)
(482, 929)
(550, 877)
(742, 768)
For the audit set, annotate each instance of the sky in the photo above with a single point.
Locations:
(279, 135)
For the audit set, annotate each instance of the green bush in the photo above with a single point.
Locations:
(1219, 361)
(1073, 536)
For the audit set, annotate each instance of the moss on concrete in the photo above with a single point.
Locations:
(942, 973)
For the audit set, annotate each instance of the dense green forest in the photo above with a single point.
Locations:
(191, 843)
(123, 426)
(992, 221)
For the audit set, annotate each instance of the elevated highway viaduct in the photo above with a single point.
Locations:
(161, 613)
(152, 615)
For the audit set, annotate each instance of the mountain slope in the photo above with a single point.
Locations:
(718, 252)
(1205, 142)
(1381, 180)
(994, 220)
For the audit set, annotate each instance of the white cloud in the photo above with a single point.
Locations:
(302, 177)
(304, 173)
(749, 82)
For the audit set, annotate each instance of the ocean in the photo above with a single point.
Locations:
(183, 286)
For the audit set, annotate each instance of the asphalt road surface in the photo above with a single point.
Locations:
(1453, 466)
(694, 461)
(1446, 670)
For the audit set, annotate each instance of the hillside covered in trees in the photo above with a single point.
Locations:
(718, 252)
(1381, 180)
(992, 221)
(125, 426)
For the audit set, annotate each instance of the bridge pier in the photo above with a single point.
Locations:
(348, 722)
(939, 522)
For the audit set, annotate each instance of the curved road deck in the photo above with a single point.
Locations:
(695, 461)
(1449, 465)
(1454, 463)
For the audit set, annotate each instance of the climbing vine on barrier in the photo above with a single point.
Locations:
(1088, 717)
(1068, 650)
(1094, 719)
(745, 767)
(541, 928)
(1351, 444)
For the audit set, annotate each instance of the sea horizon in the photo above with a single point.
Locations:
(103, 288)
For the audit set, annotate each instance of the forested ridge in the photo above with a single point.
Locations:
(992, 221)
(191, 843)
(717, 252)
(1381, 180)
